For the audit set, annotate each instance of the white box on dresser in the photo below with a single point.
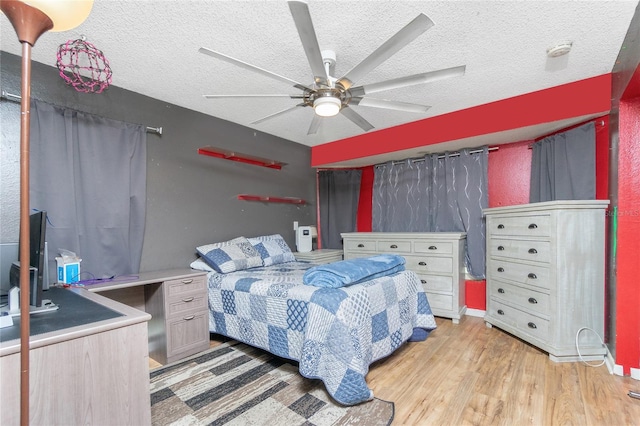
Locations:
(436, 257)
(545, 275)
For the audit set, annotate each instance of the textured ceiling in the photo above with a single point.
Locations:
(152, 47)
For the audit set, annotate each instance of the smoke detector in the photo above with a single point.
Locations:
(559, 50)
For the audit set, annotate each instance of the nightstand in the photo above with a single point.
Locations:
(319, 256)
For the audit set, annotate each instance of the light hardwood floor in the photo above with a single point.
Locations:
(468, 374)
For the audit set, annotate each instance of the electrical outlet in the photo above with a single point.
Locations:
(295, 225)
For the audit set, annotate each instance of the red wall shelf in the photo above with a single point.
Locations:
(269, 199)
(242, 158)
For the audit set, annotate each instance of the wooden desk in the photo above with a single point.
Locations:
(178, 303)
(97, 373)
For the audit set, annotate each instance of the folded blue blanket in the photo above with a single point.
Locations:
(348, 272)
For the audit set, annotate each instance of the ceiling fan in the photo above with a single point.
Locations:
(328, 95)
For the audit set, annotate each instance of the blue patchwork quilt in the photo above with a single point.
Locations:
(333, 333)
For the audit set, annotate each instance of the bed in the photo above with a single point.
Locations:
(333, 333)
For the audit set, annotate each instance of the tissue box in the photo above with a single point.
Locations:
(68, 270)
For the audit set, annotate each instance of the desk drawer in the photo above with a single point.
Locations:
(180, 287)
(187, 334)
(185, 303)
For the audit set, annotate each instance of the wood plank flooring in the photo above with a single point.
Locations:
(468, 374)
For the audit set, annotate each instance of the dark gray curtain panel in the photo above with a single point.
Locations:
(338, 194)
(439, 193)
(89, 174)
(563, 166)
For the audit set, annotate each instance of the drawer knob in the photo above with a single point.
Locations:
(533, 226)
(501, 226)
(533, 251)
(501, 269)
(393, 246)
(187, 281)
(188, 299)
(501, 290)
(433, 248)
(422, 263)
(500, 312)
(423, 281)
(532, 300)
(532, 325)
(360, 245)
(189, 318)
(500, 248)
(532, 276)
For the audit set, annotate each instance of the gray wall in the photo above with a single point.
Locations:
(191, 199)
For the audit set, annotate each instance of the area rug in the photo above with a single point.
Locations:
(236, 384)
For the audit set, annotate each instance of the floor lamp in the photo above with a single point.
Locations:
(31, 19)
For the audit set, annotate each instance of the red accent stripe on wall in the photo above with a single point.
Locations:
(365, 203)
(576, 99)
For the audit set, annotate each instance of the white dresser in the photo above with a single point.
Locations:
(436, 257)
(545, 275)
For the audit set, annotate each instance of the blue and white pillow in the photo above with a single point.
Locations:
(230, 256)
(273, 249)
(200, 265)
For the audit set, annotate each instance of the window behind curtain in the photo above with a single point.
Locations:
(89, 174)
(338, 193)
(563, 166)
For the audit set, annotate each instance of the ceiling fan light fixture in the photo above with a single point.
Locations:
(327, 106)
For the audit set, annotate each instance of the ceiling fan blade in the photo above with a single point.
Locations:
(386, 104)
(302, 19)
(250, 67)
(399, 40)
(275, 114)
(356, 118)
(315, 124)
(254, 96)
(410, 80)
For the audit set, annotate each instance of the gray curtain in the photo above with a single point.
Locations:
(89, 174)
(338, 194)
(563, 166)
(440, 193)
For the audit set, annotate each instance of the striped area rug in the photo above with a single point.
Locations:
(236, 384)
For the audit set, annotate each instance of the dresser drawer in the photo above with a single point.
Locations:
(533, 225)
(532, 300)
(426, 264)
(359, 245)
(390, 246)
(433, 247)
(183, 286)
(521, 320)
(442, 283)
(179, 305)
(440, 301)
(526, 274)
(537, 251)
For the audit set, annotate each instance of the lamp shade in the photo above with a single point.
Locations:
(65, 14)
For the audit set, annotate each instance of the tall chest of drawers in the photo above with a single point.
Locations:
(545, 275)
(436, 257)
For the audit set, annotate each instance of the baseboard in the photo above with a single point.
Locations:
(635, 373)
(475, 312)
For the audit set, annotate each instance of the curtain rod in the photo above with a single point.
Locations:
(454, 154)
(18, 98)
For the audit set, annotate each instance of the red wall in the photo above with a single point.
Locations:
(628, 235)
